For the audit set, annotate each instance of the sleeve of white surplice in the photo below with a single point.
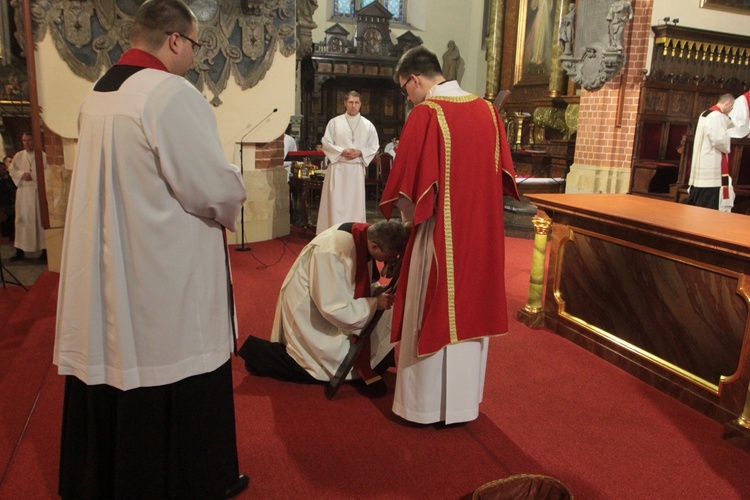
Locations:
(716, 132)
(332, 291)
(192, 162)
(740, 116)
(331, 145)
(373, 145)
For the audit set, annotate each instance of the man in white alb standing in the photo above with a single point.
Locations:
(350, 143)
(29, 231)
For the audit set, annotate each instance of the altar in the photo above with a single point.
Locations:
(659, 289)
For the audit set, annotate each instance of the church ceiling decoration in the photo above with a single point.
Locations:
(238, 37)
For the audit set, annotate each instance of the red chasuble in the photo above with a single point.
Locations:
(454, 163)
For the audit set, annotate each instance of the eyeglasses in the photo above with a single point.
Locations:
(195, 44)
(403, 87)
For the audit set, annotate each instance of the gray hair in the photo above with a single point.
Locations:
(389, 235)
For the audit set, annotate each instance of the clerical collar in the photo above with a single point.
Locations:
(141, 58)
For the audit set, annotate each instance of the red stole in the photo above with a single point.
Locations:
(724, 164)
(362, 280)
(362, 288)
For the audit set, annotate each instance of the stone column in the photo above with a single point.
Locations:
(494, 54)
(532, 314)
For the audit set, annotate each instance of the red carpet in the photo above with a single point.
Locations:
(549, 408)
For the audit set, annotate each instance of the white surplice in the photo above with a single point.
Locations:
(447, 385)
(740, 116)
(316, 312)
(711, 142)
(343, 196)
(29, 230)
(143, 295)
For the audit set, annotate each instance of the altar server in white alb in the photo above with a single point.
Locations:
(145, 312)
(29, 230)
(350, 143)
(740, 116)
(710, 185)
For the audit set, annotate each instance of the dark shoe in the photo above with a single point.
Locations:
(242, 482)
(19, 255)
(376, 389)
(43, 256)
(389, 361)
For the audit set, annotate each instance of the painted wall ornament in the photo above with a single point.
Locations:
(598, 50)
(91, 35)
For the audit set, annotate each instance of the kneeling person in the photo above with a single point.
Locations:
(326, 298)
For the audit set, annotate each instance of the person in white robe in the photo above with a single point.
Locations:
(350, 143)
(740, 116)
(391, 147)
(145, 316)
(29, 236)
(319, 310)
(709, 185)
(290, 144)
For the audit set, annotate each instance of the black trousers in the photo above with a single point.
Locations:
(703, 197)
(175, 441)
(270, 359)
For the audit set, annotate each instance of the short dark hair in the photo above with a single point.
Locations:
(156, 18)
(389, 235)
(352, 93)
(417, 61)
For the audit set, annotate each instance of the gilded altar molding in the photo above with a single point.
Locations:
(239, 38)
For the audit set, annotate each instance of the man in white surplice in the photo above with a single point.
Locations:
(325, 299)
(350, 143)
(29, 231)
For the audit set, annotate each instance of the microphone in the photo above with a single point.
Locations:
(242, 247)
(262, 120)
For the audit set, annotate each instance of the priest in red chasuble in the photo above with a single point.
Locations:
(452, 169)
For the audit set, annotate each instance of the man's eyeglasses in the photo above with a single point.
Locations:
(195, 44)
(403, 87)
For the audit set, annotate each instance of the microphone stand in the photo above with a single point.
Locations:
(242, 247)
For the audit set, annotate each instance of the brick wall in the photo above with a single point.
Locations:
(269, 154)
(601, 141)
(53, 148)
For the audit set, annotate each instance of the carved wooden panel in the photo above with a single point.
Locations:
(654, 100)
(681, 103)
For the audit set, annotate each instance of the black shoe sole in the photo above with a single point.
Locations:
(242, 482)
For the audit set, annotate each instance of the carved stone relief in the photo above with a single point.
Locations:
(238, 38)
(598, 46)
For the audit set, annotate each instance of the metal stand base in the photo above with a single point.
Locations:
(12, 281)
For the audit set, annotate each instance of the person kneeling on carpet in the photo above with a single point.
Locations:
(328, 297)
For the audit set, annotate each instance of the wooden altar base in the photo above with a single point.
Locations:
(657, 288)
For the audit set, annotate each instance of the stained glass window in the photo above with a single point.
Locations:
(347, 8)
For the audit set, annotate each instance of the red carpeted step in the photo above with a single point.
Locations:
(23, 308)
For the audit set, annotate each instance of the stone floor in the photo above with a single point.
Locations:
(25, 271)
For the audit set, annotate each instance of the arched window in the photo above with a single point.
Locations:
(347, 8)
